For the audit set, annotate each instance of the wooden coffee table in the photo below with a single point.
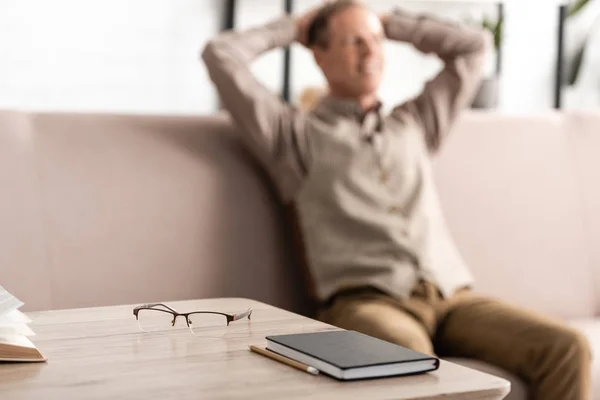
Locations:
(99, 353)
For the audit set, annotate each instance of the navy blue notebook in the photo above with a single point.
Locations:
(348, 355)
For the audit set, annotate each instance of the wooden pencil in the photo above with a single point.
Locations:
(284, 360)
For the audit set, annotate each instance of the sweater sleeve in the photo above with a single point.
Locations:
(461, 49)
(273, 129)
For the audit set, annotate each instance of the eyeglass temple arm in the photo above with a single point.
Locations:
(241, 315)
(153, 305)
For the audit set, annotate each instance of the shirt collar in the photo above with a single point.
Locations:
(348, 108)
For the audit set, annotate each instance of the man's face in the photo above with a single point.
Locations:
(353, 60)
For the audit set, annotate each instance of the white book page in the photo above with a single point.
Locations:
(16, 340)
(16, 329)
(8, 302)
(14, 317)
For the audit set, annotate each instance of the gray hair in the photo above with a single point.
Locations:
(318, 31)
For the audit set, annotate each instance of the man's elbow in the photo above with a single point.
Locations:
(482, 47)
(208, 53)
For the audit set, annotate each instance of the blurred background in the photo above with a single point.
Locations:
(142, 56)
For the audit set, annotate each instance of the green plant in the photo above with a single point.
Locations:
(576, 6)
(495, 27)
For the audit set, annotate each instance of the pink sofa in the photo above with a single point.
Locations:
(109, 209)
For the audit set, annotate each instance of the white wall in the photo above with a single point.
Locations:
(142, 55)
(530, 51)
(109, 55)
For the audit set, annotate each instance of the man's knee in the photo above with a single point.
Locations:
(573, 344)
(569, 347)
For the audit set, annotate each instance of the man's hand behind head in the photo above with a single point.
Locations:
(303, 23)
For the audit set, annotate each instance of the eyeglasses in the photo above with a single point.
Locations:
(159, 317)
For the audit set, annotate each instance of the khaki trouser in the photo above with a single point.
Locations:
(552, 358)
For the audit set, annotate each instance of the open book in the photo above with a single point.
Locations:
(15, 332)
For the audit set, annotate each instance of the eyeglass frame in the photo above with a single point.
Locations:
(229, 317)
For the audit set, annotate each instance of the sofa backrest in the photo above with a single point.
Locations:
(112, 209)
(23, 257)
(514, 193)
(584, 129)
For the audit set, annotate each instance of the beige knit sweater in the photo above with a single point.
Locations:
(362, 184)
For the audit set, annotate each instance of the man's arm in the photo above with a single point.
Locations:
(461, 49)
(274, 129)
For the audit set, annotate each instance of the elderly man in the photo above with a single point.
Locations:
(379, 253)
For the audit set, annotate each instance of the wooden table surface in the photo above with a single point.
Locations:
(99, 353)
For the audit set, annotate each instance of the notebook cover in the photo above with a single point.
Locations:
(348, 349)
